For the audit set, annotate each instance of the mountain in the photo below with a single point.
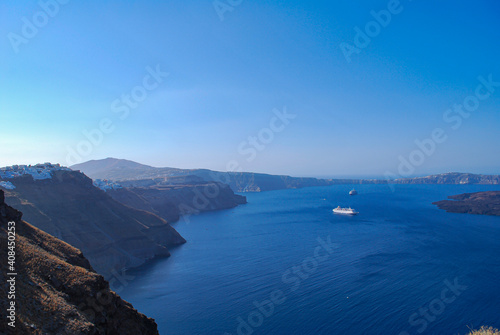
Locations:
(130, 173)
(65, 204)
(56, 289)
(486, 203)
(122, 169)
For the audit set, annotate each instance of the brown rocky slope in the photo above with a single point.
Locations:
(56, 289)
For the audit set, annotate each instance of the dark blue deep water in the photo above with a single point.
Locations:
(401, 266)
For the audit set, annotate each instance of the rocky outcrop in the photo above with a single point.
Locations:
(170, 202)
(485, 203)
(56, 289)
(111, 235)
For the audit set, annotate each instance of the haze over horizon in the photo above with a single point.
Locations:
(262, 87)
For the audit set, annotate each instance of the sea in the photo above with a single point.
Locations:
(286, 264)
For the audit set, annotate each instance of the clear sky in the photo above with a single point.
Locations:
(356, 102)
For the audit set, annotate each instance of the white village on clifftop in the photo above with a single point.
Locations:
(38, 171)
(41, 172)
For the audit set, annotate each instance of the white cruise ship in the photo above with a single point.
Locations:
(345, 211)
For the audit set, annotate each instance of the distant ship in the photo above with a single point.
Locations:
(346, 211)
(353, 192)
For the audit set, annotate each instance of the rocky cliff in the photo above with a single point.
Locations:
(56, 289)
(485, 203)
(111, 235)
(172, 201)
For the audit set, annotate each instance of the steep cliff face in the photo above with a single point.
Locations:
(111, 235)
(259, 182)
(169, 202)
(56, 289)
(485, 203)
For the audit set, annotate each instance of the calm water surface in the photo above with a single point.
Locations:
(400, 267)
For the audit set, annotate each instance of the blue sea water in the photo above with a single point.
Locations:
(401, 266)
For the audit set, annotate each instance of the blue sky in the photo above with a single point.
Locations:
(228, 77)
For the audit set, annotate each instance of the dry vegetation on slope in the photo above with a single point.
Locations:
(57, 291)
(485, 331)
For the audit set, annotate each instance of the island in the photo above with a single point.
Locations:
(484, 203)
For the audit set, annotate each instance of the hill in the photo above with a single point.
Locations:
(172, 201)
(56, 289)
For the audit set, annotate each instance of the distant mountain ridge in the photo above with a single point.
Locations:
(123, 169)
(484, 203)
(453, 178)
(134, 174)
